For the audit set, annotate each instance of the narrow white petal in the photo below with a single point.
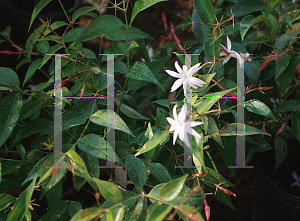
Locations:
(228, 44)
(177, 84)
(175, 136)
(195, 123)
(182, 134)
(171, 121)
(223, 47)
(226, 59)
(197, 82)
(187, 141)
(173, 74)
(182, 114)
(184, 68)
(222, 53)
(195, 134)
(178, 68)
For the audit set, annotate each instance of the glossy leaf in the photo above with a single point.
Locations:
(29, 108)
(110, 119)
(280, 151)
(242, 8)
(252, 71)
(102, 24)
(162, 102)
(5, 200)
(189, 213)
(96, 146)
(141, 72)
(211, 47)
(55, 212)
(281, 64)
(296, 124)
(10, 109)
(172, 189)
(244, 130)
(136, 212)
(247, 22)
(157, 139)
(160, 172)
(74, 208)
(83, 10)
(87, 214)
(289, 105)
(115, 214)
(32, 69)
(136, 170)
(206, 11)
(128, 111)
(141, 5)
(258, 107)
(109, 191)
(47, 168)
(22, 204)
(9, 78)
(49, 53)
(77, 165)
(157, 212)
(127, 33)
(40, 5)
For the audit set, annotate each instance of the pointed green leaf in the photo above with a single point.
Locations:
(9, 78)
(187, 212)
(40, 5)
(31, 70)
(296, 124)
(49, 53)
(141, 72)
(110, 119)
(87, 214)
(141, 5)
(109, 191)
(172, 189)
(78, 165)
(160, 172)
(289, 105)
(136, 170)
(247, 22)
(206, 11)
(260, 108)
(157, 139)
(240, 129)
(157, 212)
(128, 111)
(5, 200)
(281, 64)
(56, 211)
(280, 151)
(10, 109)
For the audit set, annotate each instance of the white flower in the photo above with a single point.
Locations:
(230, 53)
(297, 183)
(185, 77)
(181, 127)
(246, 57)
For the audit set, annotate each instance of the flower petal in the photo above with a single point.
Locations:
(175, 135)
(178, 68)
(226, 59)
(182, 114)
(173, 74)
(172, 122)
(175, 113)
(228, 44)
(197, 82)
(195, 123)
(185, 69)
(177, 84)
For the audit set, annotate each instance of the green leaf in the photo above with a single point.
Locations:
(141, 5)
(136, 212)
(206, 11)
(31, 70)
(191, 212)
(29, 108)
(96, 146)
(296, 124)
(228, 152)
(108, 118)
(245, 7)
(289, 105)
(133, 199)
(280, 151)
(197, 151)
(131, 45)
(141, 72)
(22, 204)
(78, 165)
(74, 207)
(247, 22)
(39, 6)
(211, 47)
(160, 172)
(128, 111)
(160, 119)
(172, 189)
(21, 150)
(206, 102)
(83, 10)
(49, 54)
(192, 200)
(257, 144)
(252, 71)
(260, 108)
(78, 182)
(115, 214)
(5, 200)
(136, 170)
(207, 79)
(102, 24)
(10, 109)
(127, 33)
(240, 129)
(162, 102)
(157, 139)
(87, 214)
(9, 78)
(56, 211)
(158, 212)
(109, 191)
(281, 64)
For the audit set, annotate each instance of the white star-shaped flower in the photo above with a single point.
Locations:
(297, 183)
(185, 77)
(230, 53)
(181, 126)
